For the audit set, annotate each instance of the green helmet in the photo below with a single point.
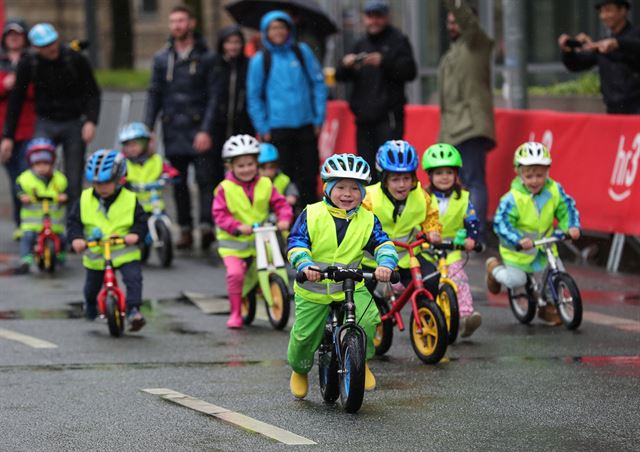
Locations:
(532, 153)
(439, 155)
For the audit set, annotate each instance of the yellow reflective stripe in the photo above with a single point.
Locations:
(234, 245)
(94, 256)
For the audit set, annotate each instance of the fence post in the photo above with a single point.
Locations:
(125, 108)
(615, 254)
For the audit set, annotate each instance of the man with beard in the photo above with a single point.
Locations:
(179, 94)
(466, 100)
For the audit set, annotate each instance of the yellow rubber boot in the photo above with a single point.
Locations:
(299, 385)
(369, 379)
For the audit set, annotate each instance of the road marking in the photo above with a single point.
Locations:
(615, 322)
(27, 340)
(240, 420)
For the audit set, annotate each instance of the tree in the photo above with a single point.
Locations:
(121, 35)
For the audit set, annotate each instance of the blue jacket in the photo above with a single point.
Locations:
(293, 99)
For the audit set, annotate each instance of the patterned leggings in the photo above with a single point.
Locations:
(459, 276)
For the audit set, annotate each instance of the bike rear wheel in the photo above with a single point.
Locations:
(569, 301)
(448, 302)
(523, 305)
(328, 369)
(352, 373)
(115, 318)
(278, 312)
(165, 251)
(383, 336)
(248, 307)
(431, 344)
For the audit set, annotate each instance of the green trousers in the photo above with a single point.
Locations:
(308, 328)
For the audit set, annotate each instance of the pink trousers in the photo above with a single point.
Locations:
(459, 276)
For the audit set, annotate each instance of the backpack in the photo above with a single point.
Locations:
(266, 68)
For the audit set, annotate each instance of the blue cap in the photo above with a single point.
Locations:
(268, 153)
(376, 7)
(42, 35)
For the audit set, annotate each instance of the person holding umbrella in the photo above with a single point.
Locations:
(287, 98)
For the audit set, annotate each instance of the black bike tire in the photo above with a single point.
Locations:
(442, 338)
(165, 252)
(453, 324)
(384, 331)
(50, 245)
(249, 307)
(285, 301)
(115, 319)
(567, 280)
(328, 370)
(353, 371)
(526, 317)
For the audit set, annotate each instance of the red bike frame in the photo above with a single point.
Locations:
(110, 282)
(413, 290)
(46, 234)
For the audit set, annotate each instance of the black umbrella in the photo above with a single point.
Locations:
(249, 12)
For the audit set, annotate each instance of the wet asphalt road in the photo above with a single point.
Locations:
(510, 387)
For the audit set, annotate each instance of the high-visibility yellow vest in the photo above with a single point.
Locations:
(117, 220)
(281, 182)
(325, 250)
(246, 212)
(31, 214)
(453, 219)
(145, 173)
(407, 224)
(532, 224)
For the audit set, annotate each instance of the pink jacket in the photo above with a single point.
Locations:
(226, 221)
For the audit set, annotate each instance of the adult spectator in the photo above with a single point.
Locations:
(379, 65)
(287, 100)
(179, 93)
(14, 46)
(617, 57)
(67, 101)
(466, 99)
(228, 111)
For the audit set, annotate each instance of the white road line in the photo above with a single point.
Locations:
(27, 340)
(242, 421)
(615, 322)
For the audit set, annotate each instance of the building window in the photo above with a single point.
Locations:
(149, 6)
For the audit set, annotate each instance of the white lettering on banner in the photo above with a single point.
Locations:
(328, 137)
(625, 170)
(547, 138)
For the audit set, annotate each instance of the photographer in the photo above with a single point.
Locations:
(617, 57)
(380, 65)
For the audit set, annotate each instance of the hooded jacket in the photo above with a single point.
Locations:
(228, 111)
(287, 98)
(179, 93)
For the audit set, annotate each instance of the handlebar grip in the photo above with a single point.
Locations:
(301, 277)
(518, 247)
(479, 247)
(395, 277)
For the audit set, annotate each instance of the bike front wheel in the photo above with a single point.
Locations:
(383, 336)
(523, 305)
(328, 370)
(49, 258)
(115, 318)
(248, 307)
(165, 250)
(279, 310)
(352, 373)
(430, 344)
(448, 302)
(568, 300)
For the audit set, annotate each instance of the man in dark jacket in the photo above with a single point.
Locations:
(180, 94)
(617, 57)
(228, 111)
(380, 65)
(67, 100)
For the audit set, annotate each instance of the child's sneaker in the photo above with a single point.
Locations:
(90, 311)
(299, 385)
(369, 379)
(549, 314)
(470, 323)
(135, 319)
(492, 284)
(24, 267)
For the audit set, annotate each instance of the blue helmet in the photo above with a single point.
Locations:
(268, 153)
(134, 131)
(397, 156)
(346, 166)
(106, 165)
(42, 35)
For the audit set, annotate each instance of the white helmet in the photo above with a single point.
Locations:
(239, 145)
(532, 153)
(346, 166)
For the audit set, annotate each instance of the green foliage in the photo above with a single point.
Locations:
(123, 79)
(587, 85)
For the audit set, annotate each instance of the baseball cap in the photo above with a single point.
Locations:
(626, 3)
(42, 35)
(376, 7)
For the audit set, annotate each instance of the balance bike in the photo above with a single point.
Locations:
(48, 245)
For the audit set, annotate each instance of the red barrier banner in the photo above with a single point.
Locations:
(595, 157)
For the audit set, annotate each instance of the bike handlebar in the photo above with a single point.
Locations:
(547, 240)
(157, 185)
(450, 246)
(339, 274)
(113, 240)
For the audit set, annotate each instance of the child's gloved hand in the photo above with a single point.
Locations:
(383, 274)
(526, 244)
(63, 197)
(469, 244)
(434, 237)
(574, 233)
(245, 229)
(283, 225)
(25, 199)
(79, 245)
(131, 239)
(311, 274)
